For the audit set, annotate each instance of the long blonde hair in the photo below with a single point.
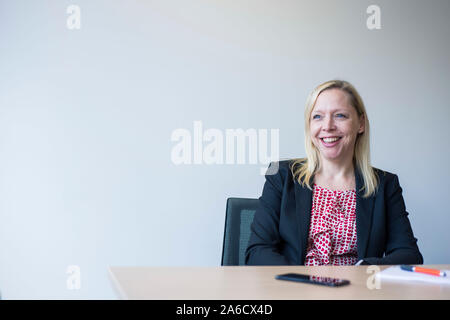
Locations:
(303, 169)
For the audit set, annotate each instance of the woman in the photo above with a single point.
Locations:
(333, 207)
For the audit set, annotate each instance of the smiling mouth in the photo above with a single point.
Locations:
(330, 140)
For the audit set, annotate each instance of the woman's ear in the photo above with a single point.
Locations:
(362, 124)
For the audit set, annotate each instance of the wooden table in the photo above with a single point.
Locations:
(259, 283)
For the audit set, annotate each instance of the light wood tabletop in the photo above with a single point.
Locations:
(259, 283)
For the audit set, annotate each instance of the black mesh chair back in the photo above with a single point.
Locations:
(239, 217)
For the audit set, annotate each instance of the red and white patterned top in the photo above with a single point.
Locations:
(332, 232)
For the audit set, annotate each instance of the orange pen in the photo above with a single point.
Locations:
(432, 272)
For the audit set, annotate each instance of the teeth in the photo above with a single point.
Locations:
(330, 140)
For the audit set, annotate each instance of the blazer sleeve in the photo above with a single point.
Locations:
(264, 243)
(401, 245)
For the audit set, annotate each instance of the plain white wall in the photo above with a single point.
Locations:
(86, 118)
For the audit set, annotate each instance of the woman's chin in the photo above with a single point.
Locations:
(331, 156)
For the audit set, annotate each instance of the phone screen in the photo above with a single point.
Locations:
(326, 281)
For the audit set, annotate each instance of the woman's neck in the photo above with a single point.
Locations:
(332, 170)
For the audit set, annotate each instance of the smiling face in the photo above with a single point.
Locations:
(334, 125)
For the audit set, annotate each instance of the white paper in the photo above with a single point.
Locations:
(396, 274)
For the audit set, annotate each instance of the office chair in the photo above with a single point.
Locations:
(239, 217)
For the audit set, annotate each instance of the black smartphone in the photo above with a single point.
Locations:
(325, 281)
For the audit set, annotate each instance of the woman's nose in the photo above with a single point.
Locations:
(328, 124)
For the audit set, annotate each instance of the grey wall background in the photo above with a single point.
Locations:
(86, 118)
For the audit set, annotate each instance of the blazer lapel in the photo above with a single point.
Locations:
(303, 206)
(364, 212)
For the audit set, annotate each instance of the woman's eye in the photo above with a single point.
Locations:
(340, 115)
(316, 116)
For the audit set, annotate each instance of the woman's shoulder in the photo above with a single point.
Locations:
(277, 168)
(383, 173)
(287, 164)
(385, 177)
(284, 167)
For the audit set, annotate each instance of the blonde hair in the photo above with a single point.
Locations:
(303, 169)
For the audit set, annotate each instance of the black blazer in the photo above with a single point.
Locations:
(280, 229)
